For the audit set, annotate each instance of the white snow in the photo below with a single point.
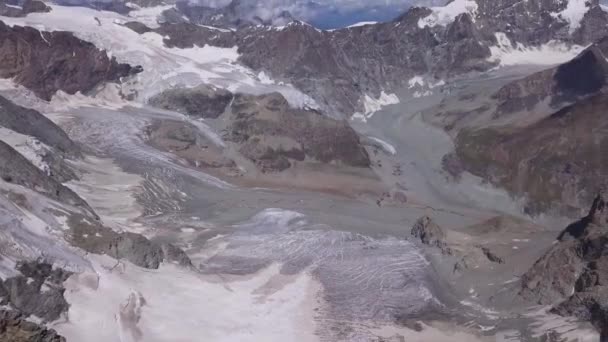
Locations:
(423, 87)
(509, 54)
(264, 78)
(573, 13)
(163, 67)
(385, 146)
(416, 81)
(121, 302)
(149, 15)
(444, 15)
(372, 105)
(362, 23)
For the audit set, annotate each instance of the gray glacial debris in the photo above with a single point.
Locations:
(37, 291)
(204, 101)
(14, 327)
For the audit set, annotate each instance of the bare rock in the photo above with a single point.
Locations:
(491, 255)
(201, 102)
(31, 122)
(177, 255)
(14, 327)
(429, 233)
(27, 7)
(14, 168)
(135, 248)
(46, 62)
(574, 272)
(274, 135)
(37, 291)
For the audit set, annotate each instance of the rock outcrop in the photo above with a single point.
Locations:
(25, 8)
(37, 291)
(16, 169)
(582, 76)
(551, 163)
(275, 136)
(135, 248)
(574, 272)
(31, 122)
(15, 327)
(201, 102)
(46, 62)
(429, 233)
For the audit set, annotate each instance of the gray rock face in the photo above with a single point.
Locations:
(549, 159)
(273, 135)
(14, 168)
(201, 102)
(30, 122)
(135, 248)
(175, 255)
(37, 291)
(575, 271)
(582, 76)
(46, 62)
(338, 67)
(15, 328)
(25, 8)
(429, 232)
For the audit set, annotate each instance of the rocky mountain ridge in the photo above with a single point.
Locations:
(552, 158)
(332, 67)
(572, 274)
(46, 62)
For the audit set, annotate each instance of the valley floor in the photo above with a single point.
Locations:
(293, 263)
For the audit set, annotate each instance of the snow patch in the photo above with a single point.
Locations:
(385, 146)
(372, 105)
(444, 15)
(149, 15)
(362, 23)
(551, 53)
(423, 87)
(573, 13)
